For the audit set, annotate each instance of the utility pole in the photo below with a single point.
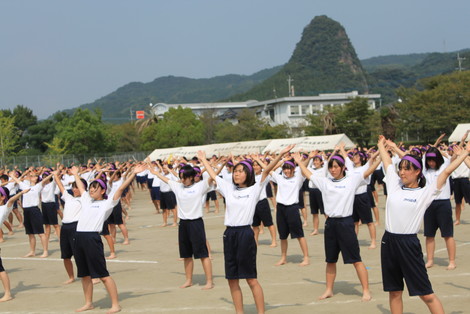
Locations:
(289, 81)
(459, 60)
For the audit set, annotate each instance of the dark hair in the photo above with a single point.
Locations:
(409, 162)
(288, 164)
(362, 157)
(248, 169)
(339, 160)
(434, 154)
(4, 177)
(5, 193)
(100, 183)
(188, 172)
(416, 152)
(85, 184)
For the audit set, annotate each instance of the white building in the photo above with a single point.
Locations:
(291, 110)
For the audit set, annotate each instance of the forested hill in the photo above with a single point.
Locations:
(171, 89)
(387, 73)
(323, 61)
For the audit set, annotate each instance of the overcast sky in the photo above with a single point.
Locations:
(58, 54)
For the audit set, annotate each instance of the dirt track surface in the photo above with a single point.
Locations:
(148, 273)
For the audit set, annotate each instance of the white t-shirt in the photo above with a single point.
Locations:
(164, 187)
(263, 194)
(358, 171)
(240, 202)
(405, 207)
(317, 172)
(67, 181)
(462, 171)
(48, 192)
(72, 208)
(31, 198)
(94, 213)
(189, 198)
(4, 212)
(432, 175)
(288, 188)
(12, 187)
(338, 195)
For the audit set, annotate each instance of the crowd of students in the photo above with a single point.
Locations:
(93, 199)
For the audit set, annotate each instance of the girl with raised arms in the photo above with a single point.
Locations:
(340, 236)
(191, 231)
(241, 197)
(409, 195)
(89, 254)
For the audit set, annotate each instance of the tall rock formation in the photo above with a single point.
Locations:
(323, 61)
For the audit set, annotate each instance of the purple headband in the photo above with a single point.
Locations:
(319, 157)
(289, 163)
(102, 184)
(3, 193)
(431, 155)
(338, 158)
(230, 163)
(416, 150)
(413, 161)
(246, 163)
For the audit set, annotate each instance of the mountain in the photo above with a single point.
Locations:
(172, 89)
(324, 60)
(387, 73)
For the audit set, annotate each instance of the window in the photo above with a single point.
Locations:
(306, 109)
(294, 110)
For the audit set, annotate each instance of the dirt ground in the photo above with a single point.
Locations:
(148, 273)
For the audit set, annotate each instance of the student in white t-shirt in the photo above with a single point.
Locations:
(191, 231)
(409, 195)
(89, 254)
(241, 197)
(338, 196)
(72, 209)
(6, 206)
(33, 221)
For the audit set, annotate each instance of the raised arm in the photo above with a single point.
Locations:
(56, 175)
(439, 139)
(387, 161)
(16, 197)
(275, 161)
(157, 173)
(125, 184)
(462, 155)
(305, 172)
(201, 155)
(374, 162)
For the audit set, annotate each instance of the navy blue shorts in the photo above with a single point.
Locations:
(361, 208)
(49, 213)
(141, 179)
(155, 193)
(1, 266)
(116, 216)
(461, 190)
(105, 230)
(402, 258)
(211, 195)
(377, 177)
(289, 222)
(192, 239)
(149, 183)
(262, 214)
(240, 253)
(340, 236)
(301, 199)
(269, 190)
(316, 201)
(89, 255)
(168, 200)
(33, 220)
(67, 233)
(439, 216)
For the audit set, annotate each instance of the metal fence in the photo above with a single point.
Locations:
(23, 162)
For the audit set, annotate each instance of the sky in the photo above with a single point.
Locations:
(60, 54)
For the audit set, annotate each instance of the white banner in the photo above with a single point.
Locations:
(309, 143)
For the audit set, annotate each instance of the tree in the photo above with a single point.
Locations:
(355, 119)
(8, 135)
(435, 106)
(179, 127)
(83, 132)
(127, 138)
